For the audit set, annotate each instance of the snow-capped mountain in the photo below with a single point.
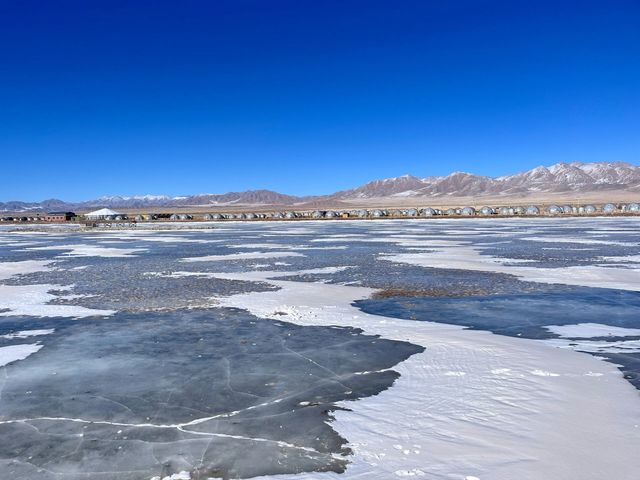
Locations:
(558, 178)
(570, 178)
(384, 188)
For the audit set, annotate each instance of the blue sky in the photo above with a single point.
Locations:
(307, 97)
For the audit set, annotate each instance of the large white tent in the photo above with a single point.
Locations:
(101, 214)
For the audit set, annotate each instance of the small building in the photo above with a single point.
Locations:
(330, 214)
(609, 208)
(505, 211)
(567, 209)
(317, 214)
(633, 208)
(377, 213)
(362, 213)
(590, 209)
(290, 215)
(59, 216)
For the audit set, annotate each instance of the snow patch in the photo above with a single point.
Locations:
(13, 353)
(33, 300)
(242, 256)
(588, 330)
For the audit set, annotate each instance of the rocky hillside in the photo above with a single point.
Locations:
(574, 177)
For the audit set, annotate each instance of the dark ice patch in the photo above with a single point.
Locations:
(219, 393)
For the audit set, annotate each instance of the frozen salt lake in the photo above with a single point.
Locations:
(440, 349)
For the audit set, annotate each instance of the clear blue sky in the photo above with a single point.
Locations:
(306, 97)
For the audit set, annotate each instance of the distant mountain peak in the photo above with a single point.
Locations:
(562, 177)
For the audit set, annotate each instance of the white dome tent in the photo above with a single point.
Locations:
(468, 211)
(532, 210)
(487, 211)
(554, 210)
(102, 214)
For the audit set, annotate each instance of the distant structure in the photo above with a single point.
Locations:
(506, 211)
(487, 211)
(55, 217)
(108, 215)
(428, 212)
(468, 211)
(103, 214)
(554, 210)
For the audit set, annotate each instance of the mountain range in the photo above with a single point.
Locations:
(562, 178)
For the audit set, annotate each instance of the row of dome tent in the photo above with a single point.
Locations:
(531, 210)
(107, 215)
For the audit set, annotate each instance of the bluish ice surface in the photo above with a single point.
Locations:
(154, 388)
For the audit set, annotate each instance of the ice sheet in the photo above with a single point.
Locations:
(465, 257)
(512, 409)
